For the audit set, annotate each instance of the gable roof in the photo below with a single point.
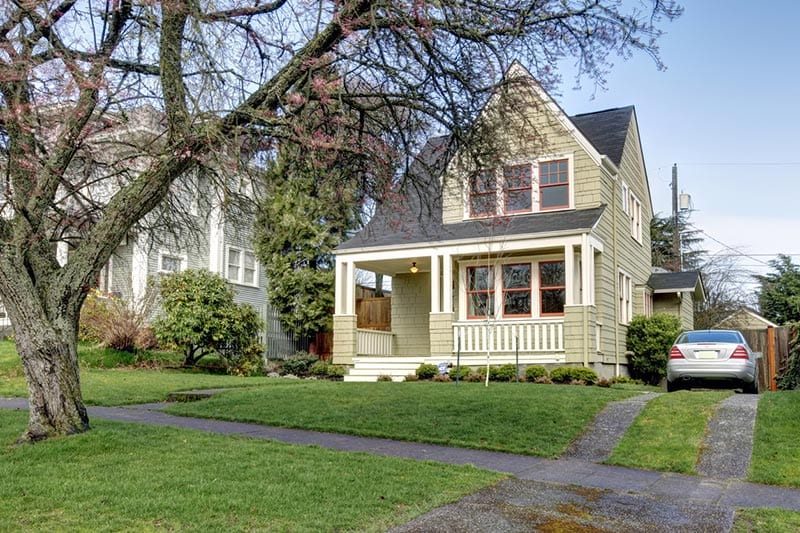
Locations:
(745, 314)
(676, 282)
(607, 130)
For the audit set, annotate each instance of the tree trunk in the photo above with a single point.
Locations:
(50, 362)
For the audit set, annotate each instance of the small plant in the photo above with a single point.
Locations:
(384, 377)
(568, 374)
(412, 377)
(474, 377)
(299, 364)
(507, 372)
(535, 371)
(545, 380)
(115, 323)
(441, 378)
(603, 382)
(319, 369)
(625, 380)
(336, 372)
(461, 372)
(426, 371)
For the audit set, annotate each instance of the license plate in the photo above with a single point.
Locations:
(706, 354)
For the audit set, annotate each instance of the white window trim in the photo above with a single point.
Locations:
(166, 253)
(536, 308)
(635, 216)
(240, 278)
(625, 199)
(535, 199)
(625, 297)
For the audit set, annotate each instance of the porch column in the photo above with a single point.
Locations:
(339, 289)
(569, 273)
(350, 288)
(587, 272)
(447, 281)
(435, 285)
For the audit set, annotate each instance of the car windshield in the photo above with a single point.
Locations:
(710, 336)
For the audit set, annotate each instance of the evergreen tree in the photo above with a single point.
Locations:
(662, 231)
(779, 294)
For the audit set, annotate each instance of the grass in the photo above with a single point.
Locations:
(511, 417)
(766, 520)
(191, 481)
(668, 433)
(776, 447)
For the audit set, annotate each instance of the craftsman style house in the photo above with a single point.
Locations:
(542, 257)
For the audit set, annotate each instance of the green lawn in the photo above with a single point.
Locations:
(128, 477)
(776, 446)
(766, 521)
(667, 434)
(512, 417)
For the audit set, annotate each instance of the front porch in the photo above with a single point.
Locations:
(445, 306)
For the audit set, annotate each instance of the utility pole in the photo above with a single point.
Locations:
(676, 237)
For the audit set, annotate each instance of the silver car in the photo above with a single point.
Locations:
(712, 355)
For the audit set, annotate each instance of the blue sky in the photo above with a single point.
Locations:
(726, 111)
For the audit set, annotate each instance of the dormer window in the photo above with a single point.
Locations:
(520, 189)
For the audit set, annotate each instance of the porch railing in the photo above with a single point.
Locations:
(503, 336)
(373, 342)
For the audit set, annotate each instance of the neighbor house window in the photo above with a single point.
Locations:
(553, 184)
(482, 195)
(625, 297)
(480, 291)
(169, 263)
(517, 180)
(241, 266)
(552, 287)
(517, 290)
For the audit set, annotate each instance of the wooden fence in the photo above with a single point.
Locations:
(773, 343)
(374, 313)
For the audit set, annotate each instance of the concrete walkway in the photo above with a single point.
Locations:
(543, 493)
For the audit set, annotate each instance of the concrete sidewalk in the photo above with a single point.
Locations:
(728, 492)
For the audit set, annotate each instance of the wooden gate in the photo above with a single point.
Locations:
(773, 343)
(374, 313)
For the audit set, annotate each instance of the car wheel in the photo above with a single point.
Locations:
(673, 386)
(750, 388)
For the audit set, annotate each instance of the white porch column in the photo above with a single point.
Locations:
(350, 289)
(569, 273)
(587, 272)
(435, 285)
(339, 288)
(447, 281)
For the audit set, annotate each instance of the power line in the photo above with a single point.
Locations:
(738, 253)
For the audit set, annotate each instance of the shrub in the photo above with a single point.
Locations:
(384, 377)
(460, 372)
(412, 377)
(544, 380)
(474, 377)
(568, 374)
(649, 340)
(426, 371)
(114, 323)
(626, 380)
(507, 372)
(603, 382)
(443, 378)
(319, 369)
(299, 364)
(200, 317)
(336, 371)
(535, 371)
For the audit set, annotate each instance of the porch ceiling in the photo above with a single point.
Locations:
(392, 267)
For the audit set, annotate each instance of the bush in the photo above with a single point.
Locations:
(460, 372)
(649, 341)
(474, 377)
(535, 371)
(384, 377)
(300, 364)
(319, 369)
(412, 377)
(426, 371)
(201, 318)
(506, 372)
(442, 378)
(625, 380)
(569, 374)
(114, 323)
(336, 371)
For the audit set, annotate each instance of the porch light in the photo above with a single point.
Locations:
(414, 268)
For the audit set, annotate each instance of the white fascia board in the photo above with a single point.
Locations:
(674, 290)
(495, 246)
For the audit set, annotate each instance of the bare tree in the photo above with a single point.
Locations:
(725, 282)
(222, 76)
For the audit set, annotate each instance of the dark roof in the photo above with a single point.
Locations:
(606, 130)
(674, 281)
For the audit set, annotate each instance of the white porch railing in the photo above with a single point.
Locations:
(373, 342)
(503, 336)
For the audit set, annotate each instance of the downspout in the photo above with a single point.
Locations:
(584, 245)
(616, 278)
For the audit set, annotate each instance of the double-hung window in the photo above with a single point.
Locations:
(517, 181)
(517, 290)
(553, 184)
(241, 266)
(170, 263)
(552, 287)
(625, 296)
(480, 292)
(482, 194)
